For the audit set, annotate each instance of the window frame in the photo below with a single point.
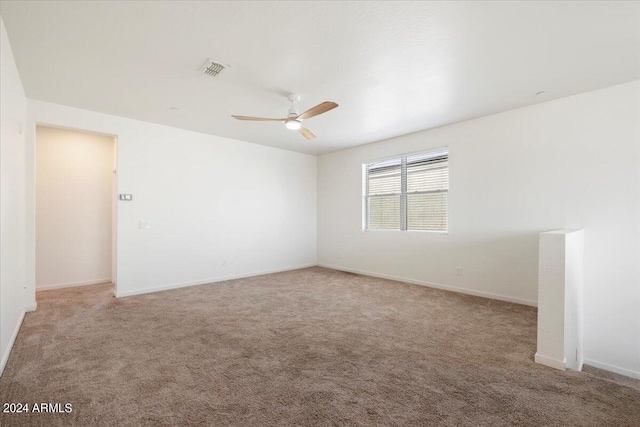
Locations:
(365, 213)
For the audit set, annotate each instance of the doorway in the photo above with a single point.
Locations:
(75, 208)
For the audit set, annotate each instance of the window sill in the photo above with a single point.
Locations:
(367, 230)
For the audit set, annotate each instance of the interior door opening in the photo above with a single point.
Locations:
(76, 209)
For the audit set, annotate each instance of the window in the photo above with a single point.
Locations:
(408, 193)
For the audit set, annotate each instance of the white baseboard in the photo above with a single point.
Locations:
(31, 307)
(5, 356)
(207, 281)
(550, 362)
(72, 284)
(611, 368)
(435, 285)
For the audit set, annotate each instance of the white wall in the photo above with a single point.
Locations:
(74, 179)
(570, 163)
(13, 108)
(207, 199)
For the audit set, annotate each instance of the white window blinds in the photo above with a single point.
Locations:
(408, 193)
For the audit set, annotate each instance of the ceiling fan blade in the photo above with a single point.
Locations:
(259, 119)
(306, 133)
(318, 109)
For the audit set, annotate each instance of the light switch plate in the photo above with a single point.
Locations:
(144, 224)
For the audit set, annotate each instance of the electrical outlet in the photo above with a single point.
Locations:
(458, 271)
(225, 262)
(144, 224)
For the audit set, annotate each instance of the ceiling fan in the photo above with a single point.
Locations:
(294, 120)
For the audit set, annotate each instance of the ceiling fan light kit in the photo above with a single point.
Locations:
(293, 121)
(293, 124)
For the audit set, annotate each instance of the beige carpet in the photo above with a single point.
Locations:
(307, 347)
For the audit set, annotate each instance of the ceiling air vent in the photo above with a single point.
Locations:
(212, 68)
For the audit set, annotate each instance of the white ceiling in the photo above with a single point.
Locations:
(394, 67)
